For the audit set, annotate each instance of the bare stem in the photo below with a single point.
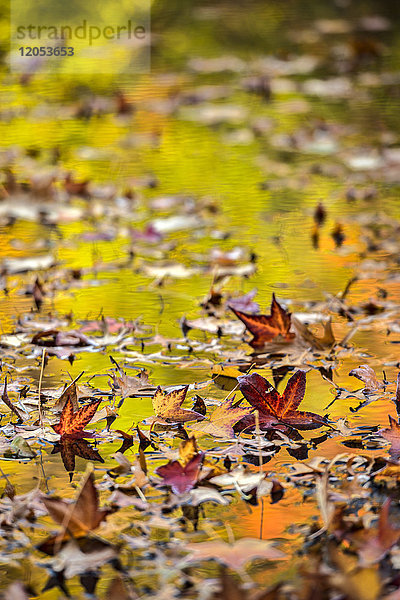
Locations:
(40, 388)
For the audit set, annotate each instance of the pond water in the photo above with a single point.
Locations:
(251, 115)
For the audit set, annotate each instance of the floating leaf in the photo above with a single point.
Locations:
(126, 385)
(265, 328)
(234, 555)
(167, 406)
(77, 518)
(275, 408)
(368, 376)
(5, 398)
(72, 423)
(222, 419)
(180, 479)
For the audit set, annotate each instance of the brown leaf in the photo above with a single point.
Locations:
(20, 414)
(80, 517)
(70, 393)
(392, 435)
(318, 343)
(267, 327)
(119, 590)
(368, 376)
(126, 385)
(380, 540)
(54, 337)
(38, 293)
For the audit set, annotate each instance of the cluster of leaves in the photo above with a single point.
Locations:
(160, 516)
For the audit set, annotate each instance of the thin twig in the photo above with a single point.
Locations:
(40, 388)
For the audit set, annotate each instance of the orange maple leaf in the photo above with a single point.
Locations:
(167, 406)
(73, 424)
(273, 407)
(267, 327)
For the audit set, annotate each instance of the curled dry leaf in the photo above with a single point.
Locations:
(318, 343)
(70, 393)
(274, 408)
(126, 385)
(265, 328)
(22, 415)
(125, 467)
(368, 376)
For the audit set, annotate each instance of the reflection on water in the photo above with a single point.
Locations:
(257, 167)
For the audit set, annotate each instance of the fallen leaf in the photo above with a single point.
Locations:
(222, 420)
(392, 435)
(120, 590)
(180, 479)
(265, 328)
(319, 343)
(73, 424)
(234, 555)
(77, 518)
(368, 376)
(167, 406)
(275, 408)
(245, 303)
(70, 393)
(379, 540)
(126, 385)
(22, 415)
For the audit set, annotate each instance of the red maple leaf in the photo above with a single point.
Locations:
(73, 423)
(267, 327)
(180, 479)
(275, 408)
